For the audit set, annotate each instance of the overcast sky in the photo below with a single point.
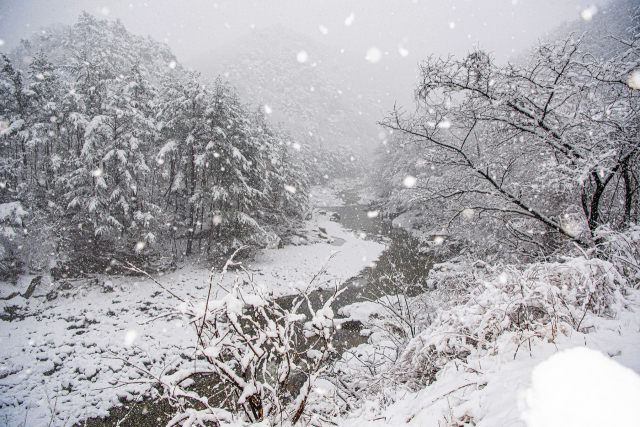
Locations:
(415, 28)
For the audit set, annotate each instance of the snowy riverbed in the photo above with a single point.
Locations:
(75, 357)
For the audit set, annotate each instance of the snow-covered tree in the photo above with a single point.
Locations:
(528, 152)
(106, 133)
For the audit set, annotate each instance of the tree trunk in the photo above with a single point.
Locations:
(192, 190)
(628, 194)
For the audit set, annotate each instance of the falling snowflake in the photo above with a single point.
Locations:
(324, 30)
(96, 173)
(438, 240)
(374, 55)
(267, 109)
(296, 146)
(290, 188)
(409, 181)
(452, 25)
(588, 13)
(402, 50)
(173, 64)
(130, 336)
(302, 56)
(350, 19)
(634, 80)
(446, 124)
(140, 246)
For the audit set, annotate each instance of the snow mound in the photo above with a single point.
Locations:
(581, 387)
(13, 212)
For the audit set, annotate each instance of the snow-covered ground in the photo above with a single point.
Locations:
(541, 374)
(493, 391)
(323, 197)
(67, 356)
(329, 195)
(75, 356)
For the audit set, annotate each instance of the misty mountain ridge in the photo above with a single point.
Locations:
(328, 99)
(602, 29)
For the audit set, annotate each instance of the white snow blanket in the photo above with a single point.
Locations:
(76, 357)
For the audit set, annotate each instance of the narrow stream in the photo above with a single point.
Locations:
(401, 257)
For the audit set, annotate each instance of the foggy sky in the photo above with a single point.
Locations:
(423, 27)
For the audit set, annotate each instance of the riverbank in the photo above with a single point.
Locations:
(61, 361)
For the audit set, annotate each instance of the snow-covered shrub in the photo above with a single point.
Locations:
(507, 304)
(404, 312)
(262, 358)
(623, 250)
(475, 310)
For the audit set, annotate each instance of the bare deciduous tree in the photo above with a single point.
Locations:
(541, 150)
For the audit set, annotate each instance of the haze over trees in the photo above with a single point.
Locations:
(115, 148)
(527, 157)
(309, 87)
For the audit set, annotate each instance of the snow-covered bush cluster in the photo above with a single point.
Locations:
(622, 249)
(107, 139)
(475, 311)
(262, 358)
(509, 304)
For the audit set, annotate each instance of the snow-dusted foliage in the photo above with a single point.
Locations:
(125, 151)
(520, 158)
(623, 250)
(262, 358)
(475, 312)
(505, 304)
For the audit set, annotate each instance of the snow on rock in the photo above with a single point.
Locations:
(363, 311)
(582, 387)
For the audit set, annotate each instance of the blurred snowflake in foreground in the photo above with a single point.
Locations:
(588, 13)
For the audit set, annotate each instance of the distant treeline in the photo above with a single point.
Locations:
(114, 149)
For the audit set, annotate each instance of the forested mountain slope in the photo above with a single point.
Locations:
(112, 147)
(601, 27)
(325, 98)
